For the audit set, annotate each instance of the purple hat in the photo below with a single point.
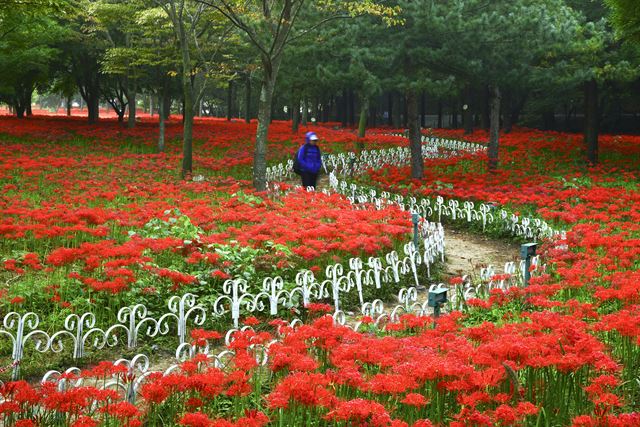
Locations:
(311, 136)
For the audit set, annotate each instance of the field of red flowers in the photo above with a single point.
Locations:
(93, 219)
(86, 224)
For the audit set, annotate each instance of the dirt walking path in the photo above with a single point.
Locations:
(466, 253)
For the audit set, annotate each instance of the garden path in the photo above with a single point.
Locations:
(466, 253)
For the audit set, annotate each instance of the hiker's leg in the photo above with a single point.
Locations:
(306, 179)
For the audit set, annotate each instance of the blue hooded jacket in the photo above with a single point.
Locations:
(309, 155)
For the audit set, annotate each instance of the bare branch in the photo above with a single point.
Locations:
(6, 33)
(228, 13)
(317, 25)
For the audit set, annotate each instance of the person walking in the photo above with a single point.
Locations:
(310, 160)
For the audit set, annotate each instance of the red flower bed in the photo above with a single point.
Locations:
(72, 193)
(564, 351)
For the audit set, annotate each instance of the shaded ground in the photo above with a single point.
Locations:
(321, 184)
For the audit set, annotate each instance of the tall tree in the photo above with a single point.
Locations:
(194, 27)
(414, 67)
(27, 54)
(117, 20)
(83, 51)
(593, 59)
(159, 61)
(269, 28)
(482, 43)
(29, 34)
(349, 60)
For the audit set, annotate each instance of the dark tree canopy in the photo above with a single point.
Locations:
(555, 64)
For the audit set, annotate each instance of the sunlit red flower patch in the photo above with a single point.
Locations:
(564, 351)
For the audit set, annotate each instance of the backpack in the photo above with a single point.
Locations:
(297, 168)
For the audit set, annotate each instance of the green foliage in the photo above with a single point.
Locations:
(35, 7)
(576, 182)
(177, 225)
(625, 17)
(237, 261)
(249, 199)
(28, 44)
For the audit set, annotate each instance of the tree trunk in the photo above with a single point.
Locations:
(405, 111)
(516, 109)
(305, 112)
(486, 108)
(314, 110)
(591, 121)
(68, 106)
(151, 105)
(188, 99)
(439, 125)
(327, 109)
(362, 120)
(454, 114)
(229, 100)
(131, 102)
(508, 122)
(390, 106)
(415, 139)
(20, 109)
(264, 118)
(295, 114)
(549, 119)
(352, 108)
(247, 99)
(423, 111)
(167, 106)
(567, 117)
(93, 107)
(467, 115)
(90, 93)
(187, 133)
(161, 126)
(344, 108)
(494, 133)
(396, 120)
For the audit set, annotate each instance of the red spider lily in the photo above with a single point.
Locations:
(121, 410)
(196, 419)
(415, 399)
(360, 412)
(154, 392)
(200, 336)
(302, 388)
(588, 296)
(84, 421)
(251, 321)
(318, 308)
